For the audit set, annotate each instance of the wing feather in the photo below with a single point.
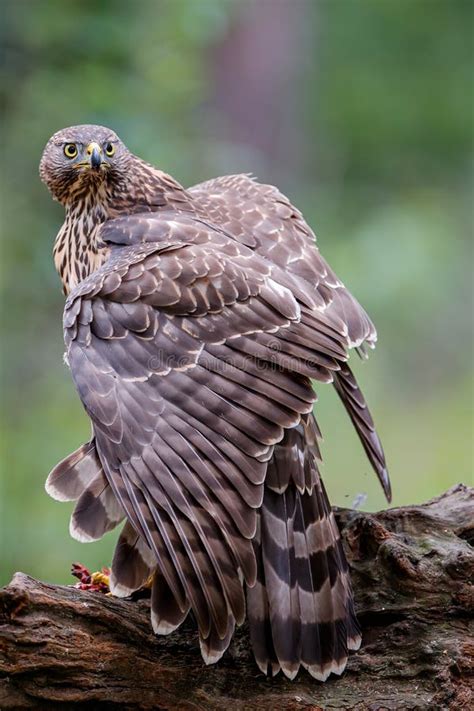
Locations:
(190, 492)
(192, 352)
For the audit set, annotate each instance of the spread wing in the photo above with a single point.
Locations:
(261, 217)
(264, 219)
(258, 220)
(180, 352)
(193, 352)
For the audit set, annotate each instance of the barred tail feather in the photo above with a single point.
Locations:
(301, 611)
(80, 477)
(97, 511)
(70, 478)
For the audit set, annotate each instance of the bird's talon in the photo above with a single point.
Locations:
(101, 578)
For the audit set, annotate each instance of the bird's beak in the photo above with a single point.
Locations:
(94, 152)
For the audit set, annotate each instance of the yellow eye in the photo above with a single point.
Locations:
(70, 150)
(109, 149)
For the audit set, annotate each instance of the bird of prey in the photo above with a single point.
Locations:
(196, 324)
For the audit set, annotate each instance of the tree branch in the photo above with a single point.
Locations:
(412, 569)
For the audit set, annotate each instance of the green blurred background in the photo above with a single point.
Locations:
(360, 110)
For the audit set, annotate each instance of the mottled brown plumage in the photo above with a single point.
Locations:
(195, 323)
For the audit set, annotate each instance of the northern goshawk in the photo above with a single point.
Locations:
(196, 322)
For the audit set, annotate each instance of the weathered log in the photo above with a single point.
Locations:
(413, 571)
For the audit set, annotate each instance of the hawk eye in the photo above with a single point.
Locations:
(109, 149)
(70, 150)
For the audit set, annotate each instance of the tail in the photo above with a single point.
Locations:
(80, 477)
(301, 609)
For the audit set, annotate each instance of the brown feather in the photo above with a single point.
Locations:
(301, 609)
(195, 322)
(70, 478)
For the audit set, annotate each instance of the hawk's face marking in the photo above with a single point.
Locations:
(93, 174)
(80, 159)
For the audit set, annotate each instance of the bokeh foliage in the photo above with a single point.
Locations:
(360, 109)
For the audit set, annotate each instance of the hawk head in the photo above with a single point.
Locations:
(81, 159)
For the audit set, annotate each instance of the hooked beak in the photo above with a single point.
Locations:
(94, 152)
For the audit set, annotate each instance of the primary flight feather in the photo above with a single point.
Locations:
(196, 322)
